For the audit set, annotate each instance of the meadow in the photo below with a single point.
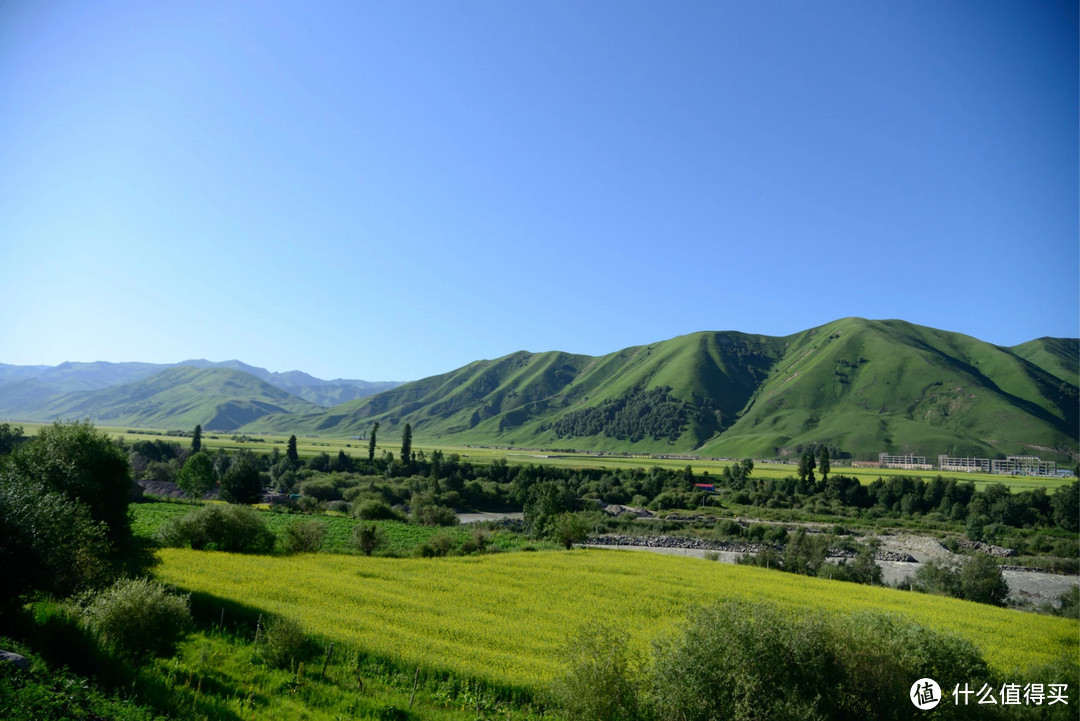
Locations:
(308, 446)
(505, 618)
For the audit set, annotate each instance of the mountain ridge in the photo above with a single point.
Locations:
(859, 386)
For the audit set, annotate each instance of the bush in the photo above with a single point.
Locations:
(303, 536)
(742, 660)
(139, 618)
(441, 544)
(728, 529)
(432, 515)
(282, 643)
(374, 511)
(48, 541)
(981, 580)
(603, 682)
(367, 539)
(236, 529)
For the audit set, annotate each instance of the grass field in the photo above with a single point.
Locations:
(504, 617)
(310, 446)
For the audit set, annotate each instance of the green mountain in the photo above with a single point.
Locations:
(1057, 356)
(857, 385)
(220, 399)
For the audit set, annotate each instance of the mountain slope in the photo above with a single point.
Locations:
(895, 386)
(1057, 356)
(857, 385)
(217, 398)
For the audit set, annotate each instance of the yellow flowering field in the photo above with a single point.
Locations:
(505, 617)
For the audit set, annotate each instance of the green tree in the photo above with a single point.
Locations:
(367, 538)
(291, 453)
(84, 464)
(371, 443)
(824, 464)
(48, 541)
(1066, 507)
(570, 528)
(981, 580)
(811, 464)
(406, 445)
(241, 483)
(197, 477)
(541, 507)
(10, 436)
(804, 466)
(196, 439)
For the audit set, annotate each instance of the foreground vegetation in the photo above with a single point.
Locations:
(503, 617)
(380, 625)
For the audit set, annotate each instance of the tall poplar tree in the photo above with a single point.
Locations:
(406, 444)
(823, 463)
(196, 439)
(290, 451)
(371, 443)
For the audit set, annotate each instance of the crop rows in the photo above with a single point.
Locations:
(504, 618)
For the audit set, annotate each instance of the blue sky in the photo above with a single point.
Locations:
(390, 190)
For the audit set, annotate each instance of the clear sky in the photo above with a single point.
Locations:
(390, 190)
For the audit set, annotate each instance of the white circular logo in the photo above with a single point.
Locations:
(925, 694)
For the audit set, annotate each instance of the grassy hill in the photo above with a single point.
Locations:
(181, 397)
(1058, 356)
(857, 385)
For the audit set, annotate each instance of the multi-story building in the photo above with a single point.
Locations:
(907, 462)
(964, 465)
(1023, 466)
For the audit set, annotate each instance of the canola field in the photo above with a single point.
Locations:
(504, 618)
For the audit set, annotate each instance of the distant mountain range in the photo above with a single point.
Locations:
(859, 386)
(153, 395)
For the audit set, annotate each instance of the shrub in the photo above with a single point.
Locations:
(477, 542)
(432, 515)
(236, 529)
(743, 660)
(48, 541)
(341, 507)
(283, 643)
(367, 539)
(728, 529)
(732, 661)
(441, 544)
(303, 536)
(603, 681)
(139, 618)
(371, 510)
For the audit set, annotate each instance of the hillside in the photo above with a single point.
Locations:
(1058, 356)
(857, 385)
(218, 398)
